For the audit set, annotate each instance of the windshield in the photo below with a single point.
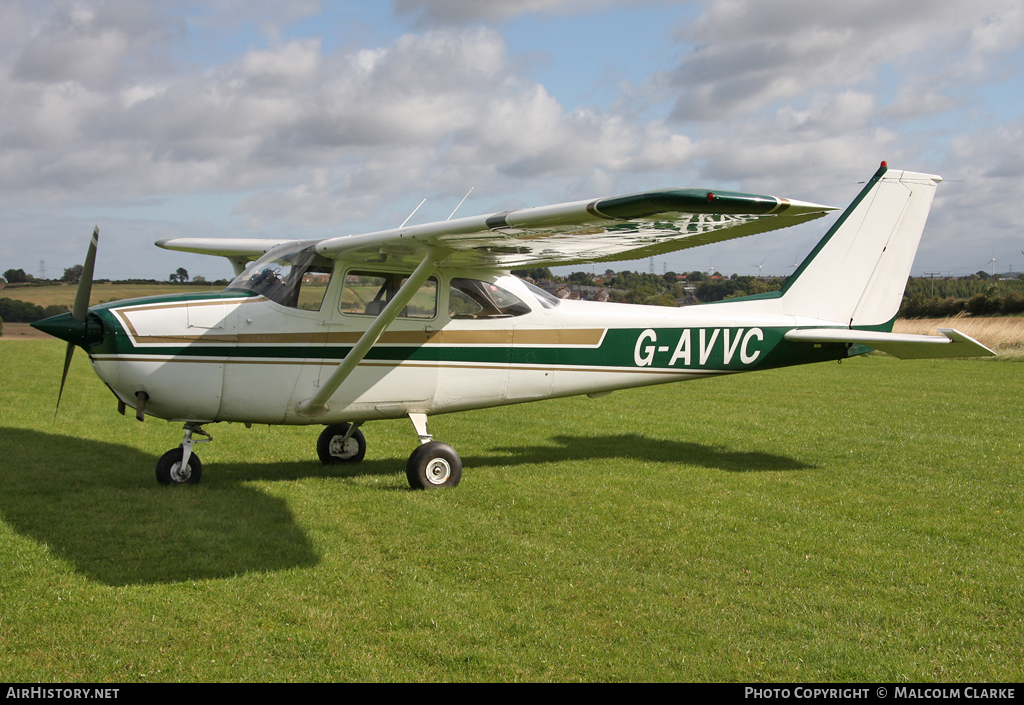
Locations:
(292, 275)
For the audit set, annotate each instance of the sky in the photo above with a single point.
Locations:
(307, 119)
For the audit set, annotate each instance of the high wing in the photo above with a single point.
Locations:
(617, 228)
(611, 229)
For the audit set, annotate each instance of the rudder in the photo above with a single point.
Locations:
(857, 273)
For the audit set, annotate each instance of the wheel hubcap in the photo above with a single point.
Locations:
(338, 449)
(179, 473)
(438, 471)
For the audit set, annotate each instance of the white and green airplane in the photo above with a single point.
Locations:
(427, 319)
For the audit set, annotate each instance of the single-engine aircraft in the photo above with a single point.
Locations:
(428, 319)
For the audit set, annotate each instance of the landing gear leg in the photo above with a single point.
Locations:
(181, 465)
(433, 464)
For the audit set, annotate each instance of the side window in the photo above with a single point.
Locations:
(470, 298)
(314, 288)
(367, 293)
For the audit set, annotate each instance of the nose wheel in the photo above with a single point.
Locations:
(171, 471)
(180, 465)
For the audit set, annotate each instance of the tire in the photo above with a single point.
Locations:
(328, 446)
(168, 468)
(433, 465)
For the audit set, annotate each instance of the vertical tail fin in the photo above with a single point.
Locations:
(857, 273)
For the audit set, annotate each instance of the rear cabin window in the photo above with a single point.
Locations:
(470, 298)
(367, 293)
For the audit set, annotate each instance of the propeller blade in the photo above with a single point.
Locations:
(81, 307)
(67, 365)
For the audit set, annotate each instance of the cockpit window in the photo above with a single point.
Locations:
(470, 298)
(367, 293)
(292, 275)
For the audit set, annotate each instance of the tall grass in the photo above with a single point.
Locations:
(1003, 335)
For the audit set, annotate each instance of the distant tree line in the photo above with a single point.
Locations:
(14, 311)
(18, 276)
(666, 289)
(735, 287)
(994, 300)
(979, 294)
(959, 287)
(73, 274)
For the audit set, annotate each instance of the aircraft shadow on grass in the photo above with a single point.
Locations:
(90, 503)
(636, 447)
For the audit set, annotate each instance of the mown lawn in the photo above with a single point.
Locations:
(845, 522)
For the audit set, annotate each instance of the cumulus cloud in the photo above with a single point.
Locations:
(976, 213)
(748, 55)
(94, 44)
(313, 131)
(802, 98)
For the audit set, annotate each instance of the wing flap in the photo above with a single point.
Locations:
(952, 343)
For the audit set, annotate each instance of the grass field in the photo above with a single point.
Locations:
(64, 295)
(845, 522)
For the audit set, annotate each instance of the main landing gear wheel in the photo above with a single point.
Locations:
(169, 470)
(334, 448)
(433, 465)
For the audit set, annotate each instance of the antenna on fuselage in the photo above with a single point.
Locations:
(461, 202)
(412, 214)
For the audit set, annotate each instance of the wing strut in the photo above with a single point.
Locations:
(318, 403)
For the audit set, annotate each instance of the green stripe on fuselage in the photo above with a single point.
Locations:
(692, 348)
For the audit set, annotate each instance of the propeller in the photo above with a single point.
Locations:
(80, 309)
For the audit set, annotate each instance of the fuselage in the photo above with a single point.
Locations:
(242, 356)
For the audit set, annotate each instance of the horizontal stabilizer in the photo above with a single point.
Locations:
(952, 343)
